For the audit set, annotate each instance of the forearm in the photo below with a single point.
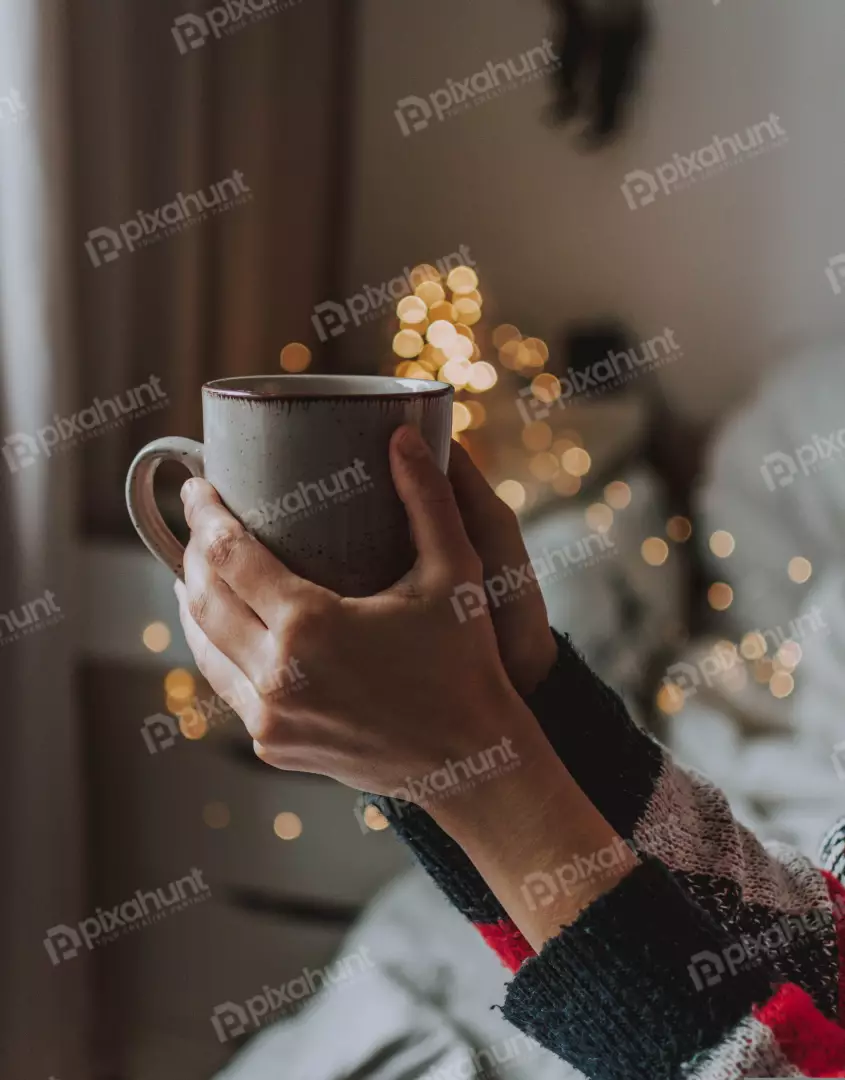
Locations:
(535, 826)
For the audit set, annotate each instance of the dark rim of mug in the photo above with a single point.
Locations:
(427, 388)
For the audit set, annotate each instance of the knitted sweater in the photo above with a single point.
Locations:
(715, 958)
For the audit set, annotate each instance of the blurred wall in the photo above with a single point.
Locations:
(735, 264)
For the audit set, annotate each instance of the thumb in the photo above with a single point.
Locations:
(436, 523)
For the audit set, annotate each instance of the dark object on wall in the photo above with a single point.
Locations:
(601, 44)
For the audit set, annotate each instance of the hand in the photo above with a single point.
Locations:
(370, 691)
(526, 644)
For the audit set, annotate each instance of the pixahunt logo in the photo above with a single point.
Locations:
(311, 497)
(21, 450)
(143, 909)
(488, 1061)
(780, 470)
(37, 615)
(539, 889)
(223, 20)
(331, 319)
(161, 731)
(470, 601)
(231, 1020)
(454, 778)
(612, 371)
(104, 245)
(712, 669)
(641, 188)
(493, 80)
(12, 108)
(708, 969)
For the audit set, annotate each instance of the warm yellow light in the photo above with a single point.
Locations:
(156, 637)
(763, 670)
(457, 372)
(463, 279)
(287, 826)
(679, 529)
(566, 484)
(513, 355)
(216, 815)
(193, 724)
(461, 417)
(537, 436)
(800, 570)
(374, 819)
(789, 655)
(722, 544)
(538, 346)
(482, 377)
(781, 684)
(467, 311)
(617, 495)
(413, 370)
(443, 312)
(504, 334)
(599, 517)
(430, 292)
(180, 685)
(512, 493)
(670, 698)
(432, 359)
(544, 466)
(412, 309)
(546, 388)
(720, 596)
(459, 348)
(654, 551)
(753, 646)
(440, 333)
(424, 272)
(408, 344)
(465, 331)
(477, 412)
(576, 461)
(295, 357)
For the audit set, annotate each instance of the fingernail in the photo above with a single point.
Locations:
(412, 445)
(186, 491)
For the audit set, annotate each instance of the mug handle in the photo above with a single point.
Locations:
(140, 495)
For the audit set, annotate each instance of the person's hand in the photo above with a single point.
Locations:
(526, 643)
(372, 691)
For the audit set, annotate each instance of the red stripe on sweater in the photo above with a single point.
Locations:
(836, 892)
(810, 1041)
(507, 942)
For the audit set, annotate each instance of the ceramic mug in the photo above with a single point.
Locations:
(302, 462)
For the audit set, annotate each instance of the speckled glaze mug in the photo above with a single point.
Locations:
(302, 462)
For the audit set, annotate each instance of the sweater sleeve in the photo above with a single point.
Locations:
(662, 811)
(645, 983)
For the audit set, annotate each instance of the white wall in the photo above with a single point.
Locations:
(734, 264)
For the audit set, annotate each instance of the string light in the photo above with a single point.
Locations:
(440, 333)
(800, 570)
(720, 596)
(430, 292)
(781, 684)
(157, 637)
(722, 544)
(287, 826)
(670, 698)
(753, 646)
(544, 466)
(295, 358)
(537, 436)
(618, 495)
(679, 529)
(412, 309)
(512, 493)
(482, 377)
(193, 724)
(566, 484)
(599, 517)
(546, 388)
(505, 334)
(576, 461)
(654, 551)
(180, 685)
(461, 417)
(463, 279)
(408, 344)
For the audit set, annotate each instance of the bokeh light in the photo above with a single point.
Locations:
(157, 637)
(722, 544)
(654, 551)
(800, 570)
(576, 461)
(287, 826)
(617, 495)
(599, 517)
(679, 529)
(720, 596)
(295, 357)
(216, 815)
(512, 493)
